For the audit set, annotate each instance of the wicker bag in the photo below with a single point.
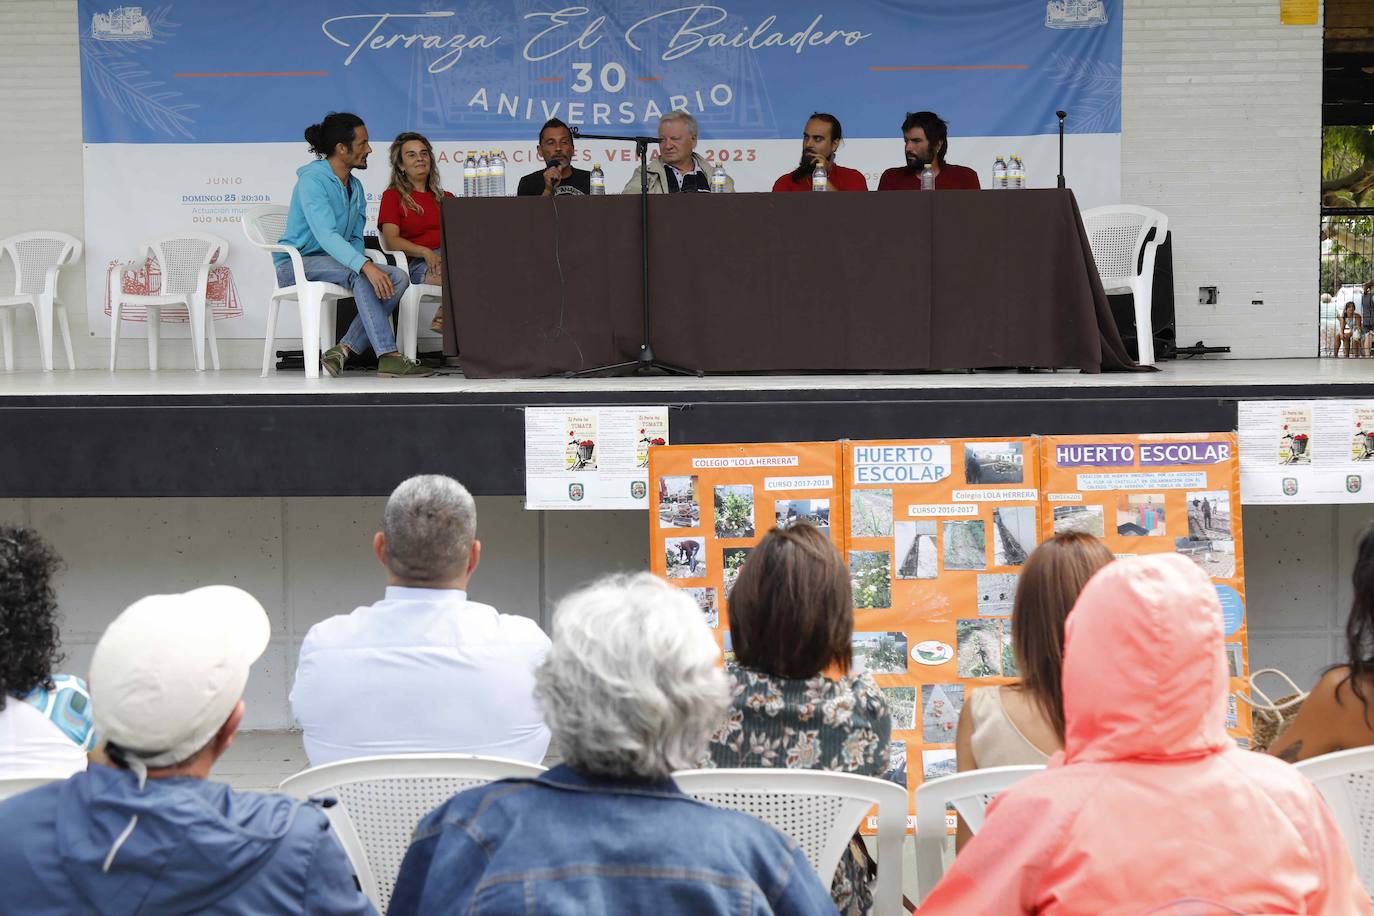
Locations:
(1271, 716)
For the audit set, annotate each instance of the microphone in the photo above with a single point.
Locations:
(1061, 115)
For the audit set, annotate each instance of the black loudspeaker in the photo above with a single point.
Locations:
(1161, 308)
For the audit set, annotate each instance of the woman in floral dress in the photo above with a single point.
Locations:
(796, 704)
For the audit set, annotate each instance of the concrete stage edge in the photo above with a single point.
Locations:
(186, 434)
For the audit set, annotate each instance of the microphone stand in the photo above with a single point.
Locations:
(645, 358)
(1061, 115)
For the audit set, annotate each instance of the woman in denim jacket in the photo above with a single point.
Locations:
(630, 691)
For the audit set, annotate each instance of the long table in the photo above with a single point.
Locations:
(891, 281)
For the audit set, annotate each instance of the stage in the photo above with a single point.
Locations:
(135, 433)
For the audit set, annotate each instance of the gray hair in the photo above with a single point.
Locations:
(630, 688)
(682, 116)
(429, 524)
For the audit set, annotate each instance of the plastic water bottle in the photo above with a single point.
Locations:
(820, 180)
(1016, 172)
(483, 174)
(927, 178)
(598, 180)
(718, 179)
(999, 173)
(470, 176)
(498, 174)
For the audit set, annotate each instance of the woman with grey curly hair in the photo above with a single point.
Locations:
(631, 690)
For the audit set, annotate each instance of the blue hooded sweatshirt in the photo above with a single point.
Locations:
(197, 847)
(321, 220)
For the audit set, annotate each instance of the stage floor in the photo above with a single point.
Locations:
(231, 433)
(1259, 373)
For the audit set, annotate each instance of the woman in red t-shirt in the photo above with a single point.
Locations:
(409, 214)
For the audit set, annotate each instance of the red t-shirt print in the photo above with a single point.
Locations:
(420, 228)
(841, 179)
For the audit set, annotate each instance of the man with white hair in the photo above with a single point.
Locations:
(424, 670)
(678, 167)
(632, 691)
(151, 833)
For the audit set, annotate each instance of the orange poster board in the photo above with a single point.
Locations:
(938, 529)
(710, 504)
(1160, 493)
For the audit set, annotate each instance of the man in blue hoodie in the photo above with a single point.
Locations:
(151, 834)
(325, 224)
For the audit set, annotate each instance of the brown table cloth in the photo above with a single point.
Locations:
(777, 282)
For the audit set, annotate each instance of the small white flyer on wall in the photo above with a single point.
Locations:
(1314, 452)
(590, 457)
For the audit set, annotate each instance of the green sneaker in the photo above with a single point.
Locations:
(395, 365)
(332, 361)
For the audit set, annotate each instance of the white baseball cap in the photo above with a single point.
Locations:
(170, 669)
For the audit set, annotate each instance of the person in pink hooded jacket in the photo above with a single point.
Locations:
(1151, 807)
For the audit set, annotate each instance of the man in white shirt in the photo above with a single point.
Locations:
(678, 167)
(424, 670)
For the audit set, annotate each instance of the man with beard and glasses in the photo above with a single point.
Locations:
(820, 142)
(926, 138)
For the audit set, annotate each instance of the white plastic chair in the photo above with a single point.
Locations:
(1346, 780)
(1117, 235)
(818, 809)
(408, 310)
(12, 787)
(382, 799)
(970, 793)
(37, 258)
(185, 262)
(318, 301)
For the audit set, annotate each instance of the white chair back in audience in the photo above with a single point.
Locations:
(969, 793)
(37, 258)
(264, 225)
(1117, 236)
(818, 809)
(184, 260)
(11, 787)
(1346, 780)
(381, 799)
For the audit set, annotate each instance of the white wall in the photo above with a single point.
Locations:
(1220, 129)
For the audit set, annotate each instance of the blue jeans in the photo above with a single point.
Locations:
(418, 268)
(372, 327)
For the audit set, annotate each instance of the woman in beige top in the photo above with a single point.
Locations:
(1024, 723)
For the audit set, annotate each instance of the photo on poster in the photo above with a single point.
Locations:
(870, 513)
(896, 763)
(1140, 515)
(1295, 439)
(1209, 515)
(940, 707)
(901, 703)
(686, 557)
(937, 763)
(732, 560)
(706, 600)
(1362, 439)
(1235, 659)
(678, 506)
(1009, 666)
(979, 647)
(1217, 558)
(728, 651)
(916, 549)
(734, 510)
(965, 545)
(994, 463)
(879, 653)
(580, 452)
(1087, 519)
(996, 594)
(1013, 534)
(789, 512)
(871, 578)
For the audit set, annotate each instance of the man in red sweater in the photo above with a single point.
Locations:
(820, 142)
(926, 137)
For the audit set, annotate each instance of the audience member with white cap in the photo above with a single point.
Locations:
(151, 833)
